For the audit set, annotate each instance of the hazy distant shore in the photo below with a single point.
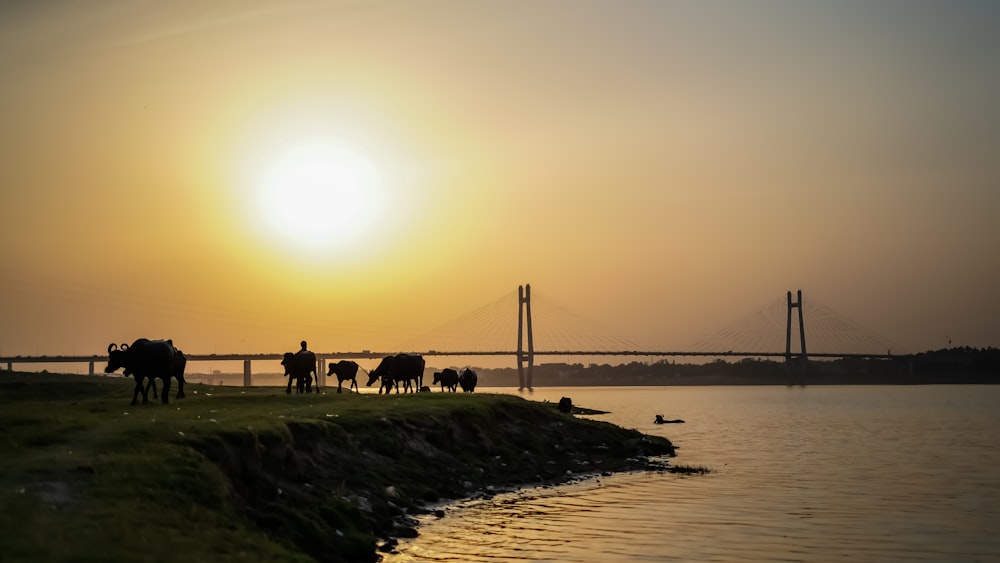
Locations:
(949, 366)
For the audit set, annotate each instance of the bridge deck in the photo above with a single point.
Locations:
(374, 355)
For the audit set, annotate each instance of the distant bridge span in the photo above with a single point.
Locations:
(525, 353)
(323, 357)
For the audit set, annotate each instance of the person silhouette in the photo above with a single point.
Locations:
(304, 348)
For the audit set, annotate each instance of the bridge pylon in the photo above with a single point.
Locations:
(524, 314)
(788, 329)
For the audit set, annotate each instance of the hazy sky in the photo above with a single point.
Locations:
(662, 167)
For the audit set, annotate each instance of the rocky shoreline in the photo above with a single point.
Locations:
(340, 495)
(232, 474)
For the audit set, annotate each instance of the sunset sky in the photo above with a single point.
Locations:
(241, 175)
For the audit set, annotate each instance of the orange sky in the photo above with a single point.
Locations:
(664, 168)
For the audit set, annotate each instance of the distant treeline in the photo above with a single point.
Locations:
(954, 365)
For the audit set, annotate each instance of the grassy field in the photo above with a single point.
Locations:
(232, 474)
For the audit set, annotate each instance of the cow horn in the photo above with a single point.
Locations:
(124, 346)
(111, 347)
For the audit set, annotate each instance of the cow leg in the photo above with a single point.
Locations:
(151, 383)
(340, 384)
(288, 389)
(180, 387)
(141, 389)
(354, 385)
(166, 390)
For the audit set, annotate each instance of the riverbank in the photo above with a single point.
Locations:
(231, 474)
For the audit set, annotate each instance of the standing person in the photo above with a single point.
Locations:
(305, 349)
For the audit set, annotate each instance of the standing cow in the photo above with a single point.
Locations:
(468, 380)
(180, 362)
(345, 369)
(392, 370)
(447, 378)
(300, 367)
(148, 359)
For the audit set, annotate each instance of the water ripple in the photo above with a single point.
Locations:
(815, 474)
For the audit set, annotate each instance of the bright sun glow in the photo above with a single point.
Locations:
(319, 195)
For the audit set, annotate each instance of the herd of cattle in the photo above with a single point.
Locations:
(149, 360)
(405, 369)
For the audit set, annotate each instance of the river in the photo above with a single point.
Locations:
(819, 473)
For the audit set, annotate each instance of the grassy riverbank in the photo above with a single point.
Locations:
(229, 474)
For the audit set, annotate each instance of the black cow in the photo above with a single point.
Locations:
(468, 380)
(399, 368)
(148, 359)
(383, 374)
(300, 367)
(447, 378)
(345, 369)
(386, 383)
(180, 362)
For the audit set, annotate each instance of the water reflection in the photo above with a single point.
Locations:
(870, 473)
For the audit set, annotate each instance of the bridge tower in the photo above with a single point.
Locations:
(524, 313)
(788, 329)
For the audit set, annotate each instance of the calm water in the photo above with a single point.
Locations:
(873, 473)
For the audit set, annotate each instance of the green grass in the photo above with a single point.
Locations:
(231, 474)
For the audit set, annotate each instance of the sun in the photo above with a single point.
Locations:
(319, 195)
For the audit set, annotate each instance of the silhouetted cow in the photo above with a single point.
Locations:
(345, 369)
(148, 359)
(300, 367)
(399, 368)
(447, 378)
(180, 362)
(468, 380)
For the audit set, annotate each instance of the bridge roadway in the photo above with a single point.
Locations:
(366, 354)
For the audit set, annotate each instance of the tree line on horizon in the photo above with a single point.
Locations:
(953, 365)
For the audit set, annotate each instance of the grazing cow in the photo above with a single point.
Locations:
(447, 378)
(383, 374)
(148, 359)
(300, 367)
(345, 369)
(180, 362)
(468, 380)
(399, 368)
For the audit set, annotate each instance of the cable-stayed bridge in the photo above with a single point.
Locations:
(818, 330)
(503, 325)
(788, 327)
